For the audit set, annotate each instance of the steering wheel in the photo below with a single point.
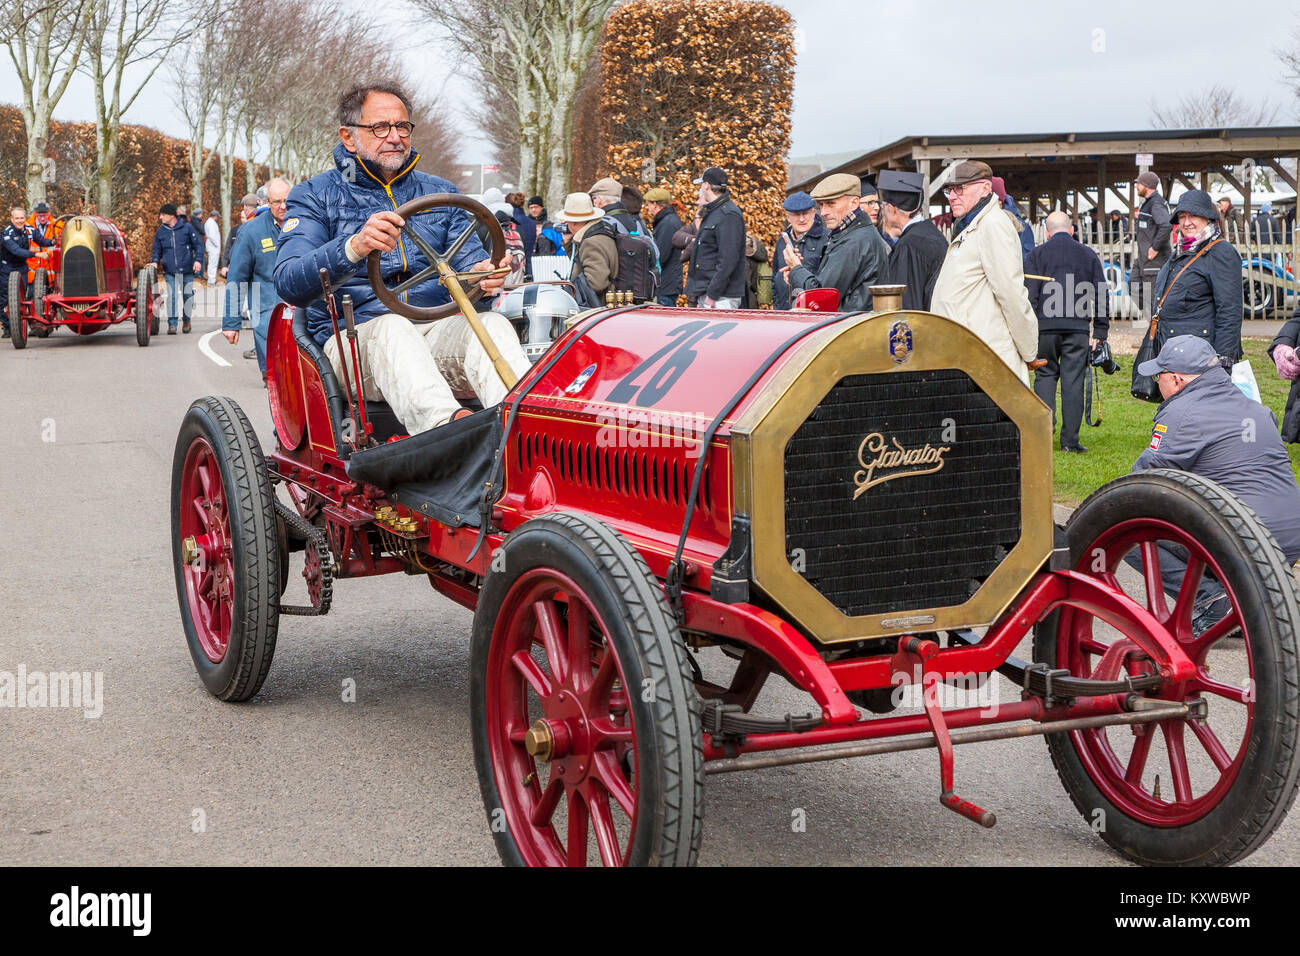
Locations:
(391, 296)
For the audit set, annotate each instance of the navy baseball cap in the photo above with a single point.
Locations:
(1182, 355)
(799, 202)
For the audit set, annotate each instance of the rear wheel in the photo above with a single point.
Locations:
(40, 285)
(1256, 295)
(155, 310)
(143, 306)
(586, 727)
(224, 544)
(1209, 791)
(17, 320)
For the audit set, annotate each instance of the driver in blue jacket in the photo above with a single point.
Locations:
(15, 246)
(336, 219)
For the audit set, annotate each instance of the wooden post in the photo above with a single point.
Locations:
(923, 167)
(1205, 180)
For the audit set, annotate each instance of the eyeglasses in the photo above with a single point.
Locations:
(956, 190)
(381, 130)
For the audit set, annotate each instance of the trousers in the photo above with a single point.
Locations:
(180, 298)
(1067, 360)
(421, 370)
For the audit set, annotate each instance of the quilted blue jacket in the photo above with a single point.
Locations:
(326, 210)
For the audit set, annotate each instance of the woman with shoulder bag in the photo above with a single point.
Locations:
(1197, 292)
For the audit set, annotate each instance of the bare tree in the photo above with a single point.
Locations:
(534, 53)
(1215, 107)
(45, 43)
(195, 69)
(1289, 57)
(135, 36)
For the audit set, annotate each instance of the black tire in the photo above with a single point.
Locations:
(154, 317)
(255, 555)
(1265, 596)
(17, 324)
(143, 296)
(648, 647)
(1256, 295)
(40, 285)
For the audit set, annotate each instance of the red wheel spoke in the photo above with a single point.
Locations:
(603, 825)
(532, 672)
(1180, 621)
(1093, 646)
(548, 624)
(1155, 586)
(606, 733)
(205, 478)
(604, 678)
(579, 643)
(1203, 683)
(1196, 649)
(204, 519)
(611, 777)
(545, 809)
(577, 851)
(1211, 744)
(1137, 760)
(1173, 731)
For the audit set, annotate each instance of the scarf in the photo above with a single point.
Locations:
(965, 220)
(847, 221)
(1188, 243)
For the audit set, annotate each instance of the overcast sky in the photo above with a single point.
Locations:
(869, 74)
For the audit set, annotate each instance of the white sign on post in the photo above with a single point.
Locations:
(1145, 160)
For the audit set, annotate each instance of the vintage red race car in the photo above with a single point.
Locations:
(84, 284)
(860, 504)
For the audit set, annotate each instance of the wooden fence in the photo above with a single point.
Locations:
(1268, 277)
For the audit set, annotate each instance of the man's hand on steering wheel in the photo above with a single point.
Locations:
(493, 284)
(379, 234)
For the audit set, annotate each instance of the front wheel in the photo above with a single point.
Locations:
(1184, 791)
(586, 726)
(17, 320)
(143, 306)
(40, 285)
(224, 548)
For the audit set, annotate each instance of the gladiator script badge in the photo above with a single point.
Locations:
(884, 461)
(900, 342)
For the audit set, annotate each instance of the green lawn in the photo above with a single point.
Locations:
(1125, 428)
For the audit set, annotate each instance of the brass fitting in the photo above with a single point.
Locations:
(189, 550)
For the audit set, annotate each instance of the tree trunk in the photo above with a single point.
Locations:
(40, 127)
(106, 162)
(250, 165)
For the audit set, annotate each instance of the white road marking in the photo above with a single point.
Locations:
(206, 349)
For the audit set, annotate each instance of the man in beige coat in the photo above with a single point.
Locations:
(981, 284)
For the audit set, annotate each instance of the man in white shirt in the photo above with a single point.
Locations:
(212, 245)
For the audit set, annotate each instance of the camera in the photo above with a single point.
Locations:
(1102, 359)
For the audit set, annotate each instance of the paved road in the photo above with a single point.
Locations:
(298, 776)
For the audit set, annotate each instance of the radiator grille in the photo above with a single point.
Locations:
(916, 541)
(79, 278)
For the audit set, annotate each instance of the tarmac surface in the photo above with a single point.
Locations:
(169, 775)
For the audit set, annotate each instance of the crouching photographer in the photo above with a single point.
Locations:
(1067, 289)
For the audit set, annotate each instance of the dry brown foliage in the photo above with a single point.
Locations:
(152, 169)
(687, 84)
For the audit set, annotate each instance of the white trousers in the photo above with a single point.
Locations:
(214, 260)
(421, 370)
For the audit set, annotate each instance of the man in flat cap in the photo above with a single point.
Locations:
(717, 276)
(855, 258)
(982, 282)
(665, 222)
(1152, 233)
(806, 234)
(919, 246)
